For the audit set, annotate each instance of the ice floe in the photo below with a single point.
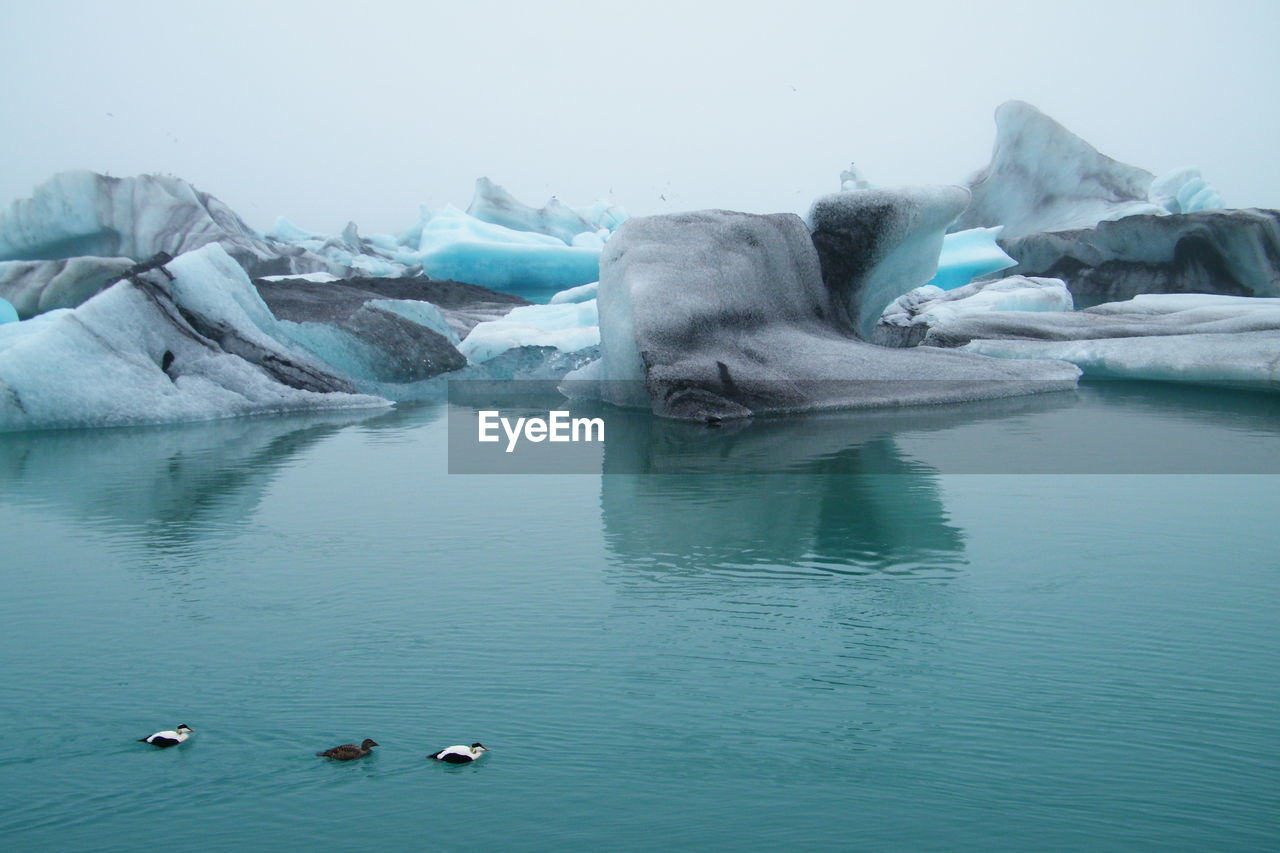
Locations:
(1198, 338)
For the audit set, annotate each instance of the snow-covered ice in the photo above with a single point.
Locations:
(1198, 338)
(581, 293)
(916, 314)
(313, 277)
(568, 326)
(1242, 359)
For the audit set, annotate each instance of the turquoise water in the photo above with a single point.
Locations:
(817, 660)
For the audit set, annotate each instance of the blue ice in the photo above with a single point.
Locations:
(969, 254)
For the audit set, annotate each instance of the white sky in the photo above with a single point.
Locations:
(324, 112)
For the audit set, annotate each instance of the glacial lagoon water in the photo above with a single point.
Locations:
(916, 658)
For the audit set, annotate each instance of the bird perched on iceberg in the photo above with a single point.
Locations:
(349, 751)
(168, 738)
(460, 754)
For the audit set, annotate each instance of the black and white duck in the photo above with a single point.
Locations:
(168, 738)
(460, 754)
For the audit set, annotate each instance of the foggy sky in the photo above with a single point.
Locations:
(325, 112)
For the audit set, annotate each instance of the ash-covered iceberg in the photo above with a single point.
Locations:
(715, 314)
(1042, 177)
(873, 245)
(150, 349)
(1228, 252)
(362, 334)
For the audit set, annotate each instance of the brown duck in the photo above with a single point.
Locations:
(349, 751)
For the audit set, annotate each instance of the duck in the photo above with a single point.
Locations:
(168, 738)
(349, 751)
(460, 754)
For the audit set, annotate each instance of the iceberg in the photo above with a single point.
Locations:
(491, 203)
(149, 350)
(714, 315)
(1042, 177)
(928, 310)
(349, 253)
(457, 246)
(8, 314)
(287, 232)
(852, 179)
(81, 213)
(874, 245)
(1227, 252)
